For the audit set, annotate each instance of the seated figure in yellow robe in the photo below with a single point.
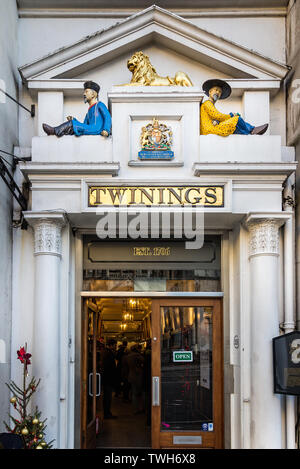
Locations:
(214, 122)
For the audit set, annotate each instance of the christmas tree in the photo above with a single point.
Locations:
(30, 426)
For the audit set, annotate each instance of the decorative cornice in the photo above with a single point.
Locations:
(90, 168)
(70, 87)
(73, 87)
(242, 168)
(172, 30)
(125, 13)
(152, 94)
(133, 5)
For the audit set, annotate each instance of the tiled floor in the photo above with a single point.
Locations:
(127, 431)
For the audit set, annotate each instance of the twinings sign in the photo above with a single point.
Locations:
(206, 196)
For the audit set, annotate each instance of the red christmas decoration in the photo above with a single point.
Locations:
(23, 356)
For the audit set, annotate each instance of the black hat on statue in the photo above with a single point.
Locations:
(226, 89)
(91, 85)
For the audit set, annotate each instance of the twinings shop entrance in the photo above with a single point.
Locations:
(152, 367)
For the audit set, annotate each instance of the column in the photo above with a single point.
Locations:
(45, 362)
(265, 428)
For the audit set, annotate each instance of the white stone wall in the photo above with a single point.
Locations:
(293, 116)
(41, 36)
(8, 138)
(265, 35)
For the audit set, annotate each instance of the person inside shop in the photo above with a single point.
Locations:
(122, 350)
(133, 368)
(215, 122)
(126, 387)
(97, 120)
(109, 376)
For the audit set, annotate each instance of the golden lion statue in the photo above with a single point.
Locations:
(144, 74)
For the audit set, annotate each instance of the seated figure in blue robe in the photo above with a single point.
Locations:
(97, 120)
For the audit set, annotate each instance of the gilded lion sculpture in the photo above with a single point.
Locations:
(144, 74)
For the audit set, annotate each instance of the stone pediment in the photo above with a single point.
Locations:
(152, 25)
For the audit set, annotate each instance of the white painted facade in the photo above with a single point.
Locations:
(256, 228)
(8, 140)
(293, 134)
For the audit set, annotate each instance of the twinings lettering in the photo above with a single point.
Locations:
(207, 196)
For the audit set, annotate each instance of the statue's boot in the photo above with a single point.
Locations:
(64, 129)
(260, 130)
(48, 129)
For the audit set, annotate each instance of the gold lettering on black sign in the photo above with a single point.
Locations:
(151, 251)
(205, 196)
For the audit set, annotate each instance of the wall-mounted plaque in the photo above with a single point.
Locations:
(156, 141)
(159, 196)
(187, 440)
(286, 357)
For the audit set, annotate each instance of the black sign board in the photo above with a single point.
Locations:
(286, 362)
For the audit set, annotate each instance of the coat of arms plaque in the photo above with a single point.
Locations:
(156, 141)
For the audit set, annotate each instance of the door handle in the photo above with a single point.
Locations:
(98, 393)
(99, 385)
(90, 384)
(155, 391)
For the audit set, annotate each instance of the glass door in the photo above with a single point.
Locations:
(187, 374)
(91, 379)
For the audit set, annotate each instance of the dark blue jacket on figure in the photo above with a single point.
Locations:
(96, 120)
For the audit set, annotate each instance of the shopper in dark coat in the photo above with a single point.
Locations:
(134, 364)
(109, 376)
(122, 350)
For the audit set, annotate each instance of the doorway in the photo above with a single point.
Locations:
(184, 389)
(116, 373)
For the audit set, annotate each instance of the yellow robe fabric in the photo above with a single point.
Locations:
(208, 113)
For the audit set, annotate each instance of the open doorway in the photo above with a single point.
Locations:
(119, 350)
(179, 379)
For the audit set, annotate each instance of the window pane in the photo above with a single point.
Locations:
(164, 266)
(186, 368)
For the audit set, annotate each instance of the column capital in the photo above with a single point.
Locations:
(264, 233)
(47, 228)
